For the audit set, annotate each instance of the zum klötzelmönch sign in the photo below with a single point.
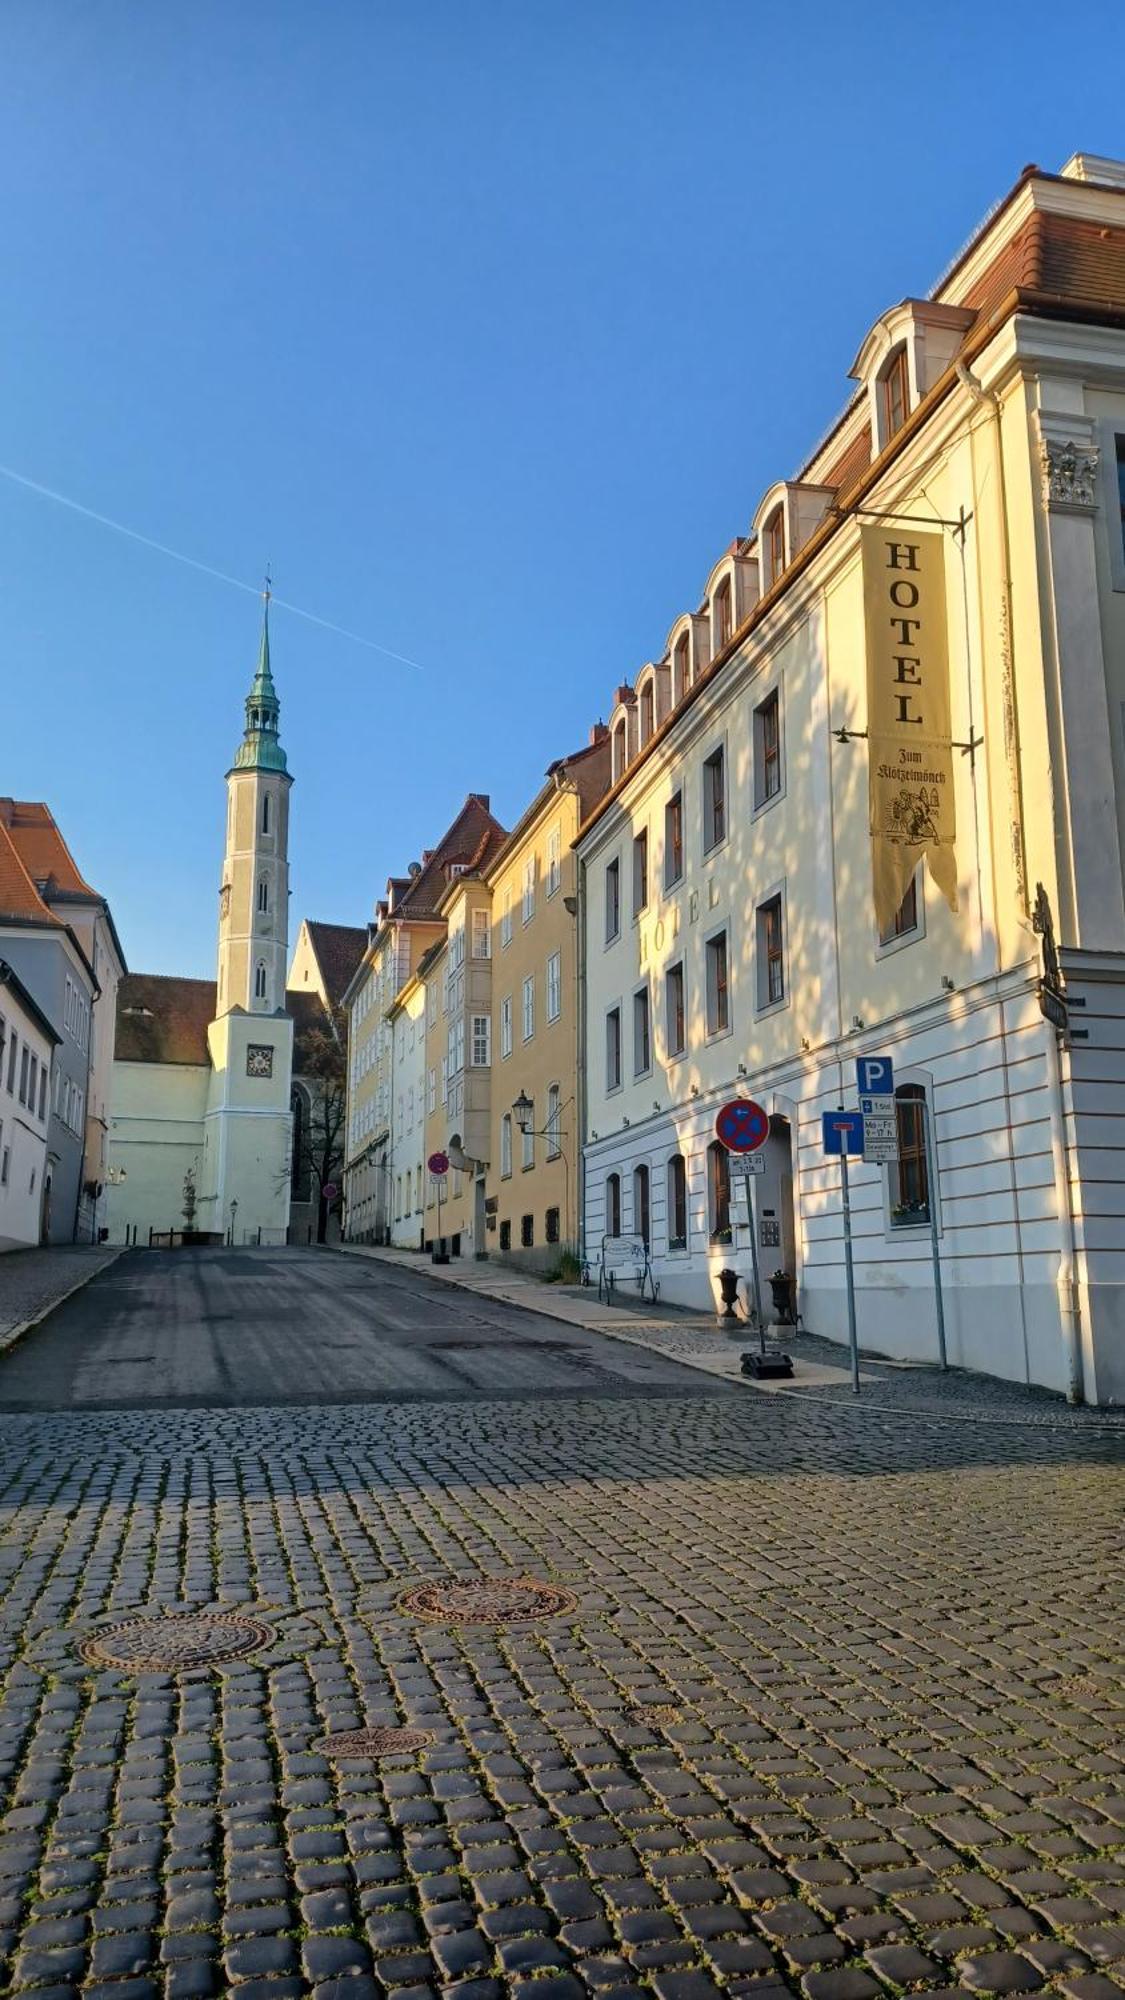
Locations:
(912, 811)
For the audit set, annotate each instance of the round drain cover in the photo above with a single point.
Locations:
(374, 1742)
(487, 1600)
(182, 1640)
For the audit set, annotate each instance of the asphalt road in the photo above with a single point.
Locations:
(220, 1329)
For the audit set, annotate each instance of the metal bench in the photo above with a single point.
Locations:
(625, 1257)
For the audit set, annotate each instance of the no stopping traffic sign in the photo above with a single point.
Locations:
(742, 1126)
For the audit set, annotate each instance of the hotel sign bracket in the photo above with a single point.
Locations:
(956, 528)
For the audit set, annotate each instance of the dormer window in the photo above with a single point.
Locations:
(681, 667)
(774, 533)
(894, 390)
(648, 711)
(723, 614)
(620, 750)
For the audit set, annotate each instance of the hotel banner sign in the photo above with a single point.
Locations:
(912, 811)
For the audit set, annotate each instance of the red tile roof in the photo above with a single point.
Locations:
(163, 1019)
(36, 838)
(19, 897)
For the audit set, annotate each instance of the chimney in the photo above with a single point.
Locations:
(598, 733)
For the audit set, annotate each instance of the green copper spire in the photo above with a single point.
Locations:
(259, 748)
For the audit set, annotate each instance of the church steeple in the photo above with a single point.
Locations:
(260, 749)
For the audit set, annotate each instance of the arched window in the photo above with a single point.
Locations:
(681, 667)
(774, 536)
(613, 1205)
(723, 614)
(718, 1191)
(265, 812)
(677, 1202)
(620, 750)
(909, 1174)
(641, 1205)
(263, 896)
(300, 1171)
(894, 394)
(648, 711)
(260, 980)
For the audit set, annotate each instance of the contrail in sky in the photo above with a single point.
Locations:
(119, 528)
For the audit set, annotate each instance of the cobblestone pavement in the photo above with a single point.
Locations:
(829, 1703)
(32, 1281)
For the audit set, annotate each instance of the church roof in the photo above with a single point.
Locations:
(338, 948)
(163, 1019)
(260, 749)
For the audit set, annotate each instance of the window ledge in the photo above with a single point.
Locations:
(886, 948)
(763, 806)
(772, 1006)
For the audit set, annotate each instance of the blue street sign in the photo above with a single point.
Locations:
(875, 1076)
(843, 1131)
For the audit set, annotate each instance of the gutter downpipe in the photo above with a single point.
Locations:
(1067, 1276)
(580, 1067)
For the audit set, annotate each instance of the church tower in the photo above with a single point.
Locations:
(254, 898)
(244, 1190)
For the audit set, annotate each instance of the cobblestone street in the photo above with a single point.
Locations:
(820, 1698)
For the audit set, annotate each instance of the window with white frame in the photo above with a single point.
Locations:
(642, 1032)
(909, 1175)
(613, 1049)
(529, 1007)
(506, 1146)
(554, 986)
(505, 1026)
(714, 799)
(674, 840)
(529, 889)
(640, 871)
(482, 934)
(718, 985)
(554, 860)
(769, 924)
(905, 922)
(445, 1079)
(767, 749)
(612, 900)
(506, 918)
(675, 1011)
(677, 1203)
(431, 1089)
(482, 1041)
(527, 1136)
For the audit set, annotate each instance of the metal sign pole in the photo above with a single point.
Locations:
(853, 1338)
(747, 1178)
(931, 1176)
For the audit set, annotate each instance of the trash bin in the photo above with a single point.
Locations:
(784, 1288)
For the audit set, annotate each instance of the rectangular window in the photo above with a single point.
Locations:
(431, 1091)
(640, 873)
(527, 1231)
(675, 1019)
(1121, 486)
(506, 1146)
(718, 1191)
(767, 749)
(552, 1225)
(895, 386)
(674, 841)
(642, 1033)
(13, 1050)
(506, 919)
(445, 1079)
(554, 861)
(527, 1134)
(909, 1176)
(505, 1236)
(677, 1203)
(5, 1162)
(529, 889)
(613, 1049)
(554, 986)
(529, 1007)
(33, 1083)
(554, 1123)
(431, 1007)
(718, 989)
(771, 954)
(612, 900)
(506, 1027)
(714, 800)
(905, 918)
(482, 934)
(482, 1041)
(42, 1093)
(25, 1061)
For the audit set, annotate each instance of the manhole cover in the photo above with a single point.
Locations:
(189, 1639)
(654, 1713)
(487, 1600)
(374, 1742)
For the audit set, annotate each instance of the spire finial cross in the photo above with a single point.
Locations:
(268, 591)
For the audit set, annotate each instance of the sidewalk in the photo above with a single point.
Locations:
(821, 1368)
(34, 1282)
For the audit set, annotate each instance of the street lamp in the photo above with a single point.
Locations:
(523, 1111)
(233, 1213)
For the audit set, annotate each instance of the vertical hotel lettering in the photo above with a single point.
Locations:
(912, 811)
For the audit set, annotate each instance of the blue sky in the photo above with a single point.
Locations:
(487, 325)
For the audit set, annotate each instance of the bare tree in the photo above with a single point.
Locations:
(317, 1153)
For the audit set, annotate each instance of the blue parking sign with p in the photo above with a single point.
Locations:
(875, 1076)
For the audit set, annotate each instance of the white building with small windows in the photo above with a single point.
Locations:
(869, 775)
(27, 1046)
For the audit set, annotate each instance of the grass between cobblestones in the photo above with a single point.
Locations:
(891, 1653)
